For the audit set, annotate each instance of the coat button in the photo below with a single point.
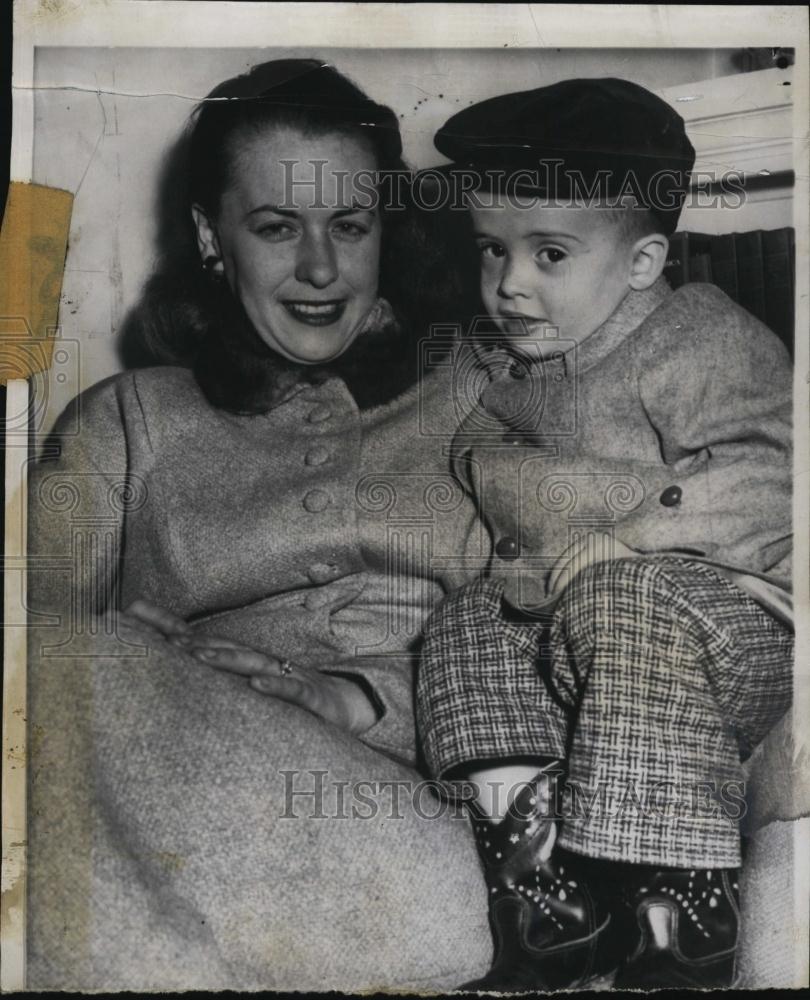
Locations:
(317, 455)
(323, 572)
(518, 369)
(315, 501)
(507, 548)
(318, 414)
(671, 496)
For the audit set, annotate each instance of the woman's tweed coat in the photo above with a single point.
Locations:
(160, 853)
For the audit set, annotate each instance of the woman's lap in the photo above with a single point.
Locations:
(169, 848)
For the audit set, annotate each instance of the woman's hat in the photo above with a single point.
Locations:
(580, 138)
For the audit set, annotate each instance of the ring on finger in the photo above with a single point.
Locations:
(286, 668)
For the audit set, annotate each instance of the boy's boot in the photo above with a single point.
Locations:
(551, 931)
(684, 923)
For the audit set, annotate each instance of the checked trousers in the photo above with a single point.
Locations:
(650, 681)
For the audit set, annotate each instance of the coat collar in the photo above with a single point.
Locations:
(631, 313)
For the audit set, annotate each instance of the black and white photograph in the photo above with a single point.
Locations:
(407, 535)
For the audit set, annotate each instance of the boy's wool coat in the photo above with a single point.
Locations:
(669, 429)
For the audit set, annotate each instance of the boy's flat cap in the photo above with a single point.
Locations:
(574, 134)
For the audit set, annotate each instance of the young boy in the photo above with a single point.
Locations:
(631, 454)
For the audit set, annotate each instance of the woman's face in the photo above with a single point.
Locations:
(302, 260)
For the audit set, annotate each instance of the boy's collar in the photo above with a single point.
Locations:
(634, 308)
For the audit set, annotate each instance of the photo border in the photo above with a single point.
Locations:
(323, 26)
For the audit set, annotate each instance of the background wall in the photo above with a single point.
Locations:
(105, 117)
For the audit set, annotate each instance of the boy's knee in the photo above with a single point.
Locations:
(466, 608)
(613, 576)
(651, 599)
(628, 575)
(607, 593)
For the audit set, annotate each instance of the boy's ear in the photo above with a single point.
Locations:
(648, 260)
(207, 241)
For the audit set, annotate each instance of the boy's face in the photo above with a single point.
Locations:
(550, 266)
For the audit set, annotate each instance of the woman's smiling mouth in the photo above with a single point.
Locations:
(316, 313)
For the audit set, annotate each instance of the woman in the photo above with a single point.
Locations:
(277, 504)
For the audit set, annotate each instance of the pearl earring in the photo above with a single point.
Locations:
(209, 266)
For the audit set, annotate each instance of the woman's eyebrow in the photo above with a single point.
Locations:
(277, 209)
(352, 210)
(292, 213)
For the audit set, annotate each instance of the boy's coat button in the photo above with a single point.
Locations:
(671, 496)
(507, 548)
(518, 370)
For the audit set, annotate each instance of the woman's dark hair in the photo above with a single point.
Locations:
(190, 319)
(300, 93)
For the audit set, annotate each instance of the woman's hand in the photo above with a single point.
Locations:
(145, 617)
(581, 554)
(337, 699)
(334, 698)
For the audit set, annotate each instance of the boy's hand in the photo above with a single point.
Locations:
(581, 554)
